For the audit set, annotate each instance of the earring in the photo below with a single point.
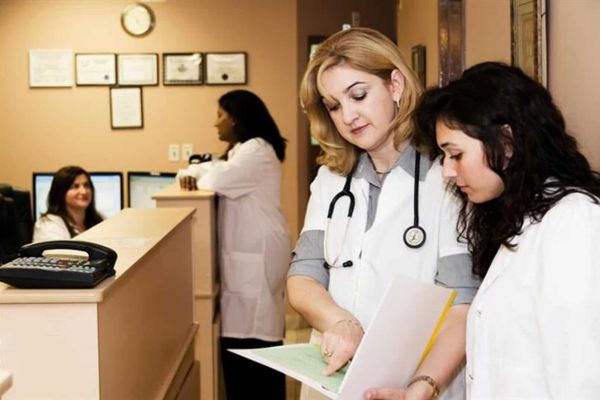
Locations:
(397, 101)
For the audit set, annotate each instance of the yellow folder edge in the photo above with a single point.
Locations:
(437, 327)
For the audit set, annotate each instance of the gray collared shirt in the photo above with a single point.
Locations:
(453, 271)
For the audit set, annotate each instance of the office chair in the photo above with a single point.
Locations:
(9, 238)
(16, 225)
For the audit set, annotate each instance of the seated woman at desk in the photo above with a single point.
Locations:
(71, 207)
(254, 239)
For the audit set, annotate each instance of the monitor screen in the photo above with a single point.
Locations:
(142, 185)
(108, 192)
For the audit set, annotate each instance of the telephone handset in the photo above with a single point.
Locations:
(199, 158)
(32, 269)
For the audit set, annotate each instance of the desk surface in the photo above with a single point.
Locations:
(5, 381)
(174, 192)
(131, 240)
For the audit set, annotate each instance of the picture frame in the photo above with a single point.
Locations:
(126, 107)
(419, 63)
(529, 38)
(183, 69)
(137, 69)
(95, 69)
(50, 68)
(226, 68)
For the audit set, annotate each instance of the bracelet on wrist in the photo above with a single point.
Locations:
(430, 381)
(351, 321)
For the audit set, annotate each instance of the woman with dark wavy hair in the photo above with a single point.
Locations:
(71, 206)
(531, 217)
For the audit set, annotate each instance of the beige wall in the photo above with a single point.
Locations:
(574, 62)
(418, 25)
(43, 129)
(487, 31)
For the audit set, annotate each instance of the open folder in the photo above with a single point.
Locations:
(395, 343)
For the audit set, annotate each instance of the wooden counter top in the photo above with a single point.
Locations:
(131, 240)
(174, 192)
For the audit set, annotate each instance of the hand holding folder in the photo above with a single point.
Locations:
(398, 339)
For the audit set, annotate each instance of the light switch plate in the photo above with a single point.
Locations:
(187, 149)
(173, 152)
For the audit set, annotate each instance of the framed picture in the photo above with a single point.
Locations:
(95, 69)
(137, 69)
(50, 68)
(528, 34)
(182, 69)
(419, 63)
(126, 109)
(226, 69)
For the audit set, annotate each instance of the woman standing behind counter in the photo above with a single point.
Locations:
(254, 239)
(71, 206)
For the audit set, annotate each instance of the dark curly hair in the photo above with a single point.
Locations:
(252, 119)
(503, 108)
(61, 183)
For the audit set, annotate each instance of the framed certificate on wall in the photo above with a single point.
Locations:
(182, 69)
(50, 68)
(95, 69)
(126, 109)
(138, 69)
(226, 69)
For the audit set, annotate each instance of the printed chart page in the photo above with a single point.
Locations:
(399, 337)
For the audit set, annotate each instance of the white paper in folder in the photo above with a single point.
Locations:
(400, 334)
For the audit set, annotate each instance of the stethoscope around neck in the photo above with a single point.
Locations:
(414, 236)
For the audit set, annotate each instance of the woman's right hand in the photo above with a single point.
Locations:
(187, 183)
(339, 343)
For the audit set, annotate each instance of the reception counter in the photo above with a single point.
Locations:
(206, 282)
(130, 337)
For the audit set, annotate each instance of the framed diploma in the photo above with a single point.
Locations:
(182, 69)
(126, 109)
(50, 68)
(226, 69)
(137, 69)
(95, 69)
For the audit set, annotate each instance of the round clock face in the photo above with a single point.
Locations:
(137, 19)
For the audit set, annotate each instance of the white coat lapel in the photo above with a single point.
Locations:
(501, 261)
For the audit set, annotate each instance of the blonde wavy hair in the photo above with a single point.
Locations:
(369, 51)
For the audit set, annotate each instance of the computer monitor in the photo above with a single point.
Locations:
(142, 185)
(108, 192)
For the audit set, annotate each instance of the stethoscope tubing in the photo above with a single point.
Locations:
(346, 192)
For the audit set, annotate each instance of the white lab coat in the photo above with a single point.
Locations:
(533, 330)
(380, 253)
(50, 227)
(254, 239)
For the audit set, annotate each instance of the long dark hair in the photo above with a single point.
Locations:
(252, 119)
(61, 183)
(503, 108)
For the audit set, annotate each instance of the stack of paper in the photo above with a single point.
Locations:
(399, 337)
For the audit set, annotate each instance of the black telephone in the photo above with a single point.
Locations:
(31, 269)
(199, 158)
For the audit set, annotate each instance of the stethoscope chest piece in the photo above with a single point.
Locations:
(414, 237)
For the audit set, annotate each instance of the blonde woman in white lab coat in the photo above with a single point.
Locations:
(254, 239)
(359, 95)
(532, 220)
